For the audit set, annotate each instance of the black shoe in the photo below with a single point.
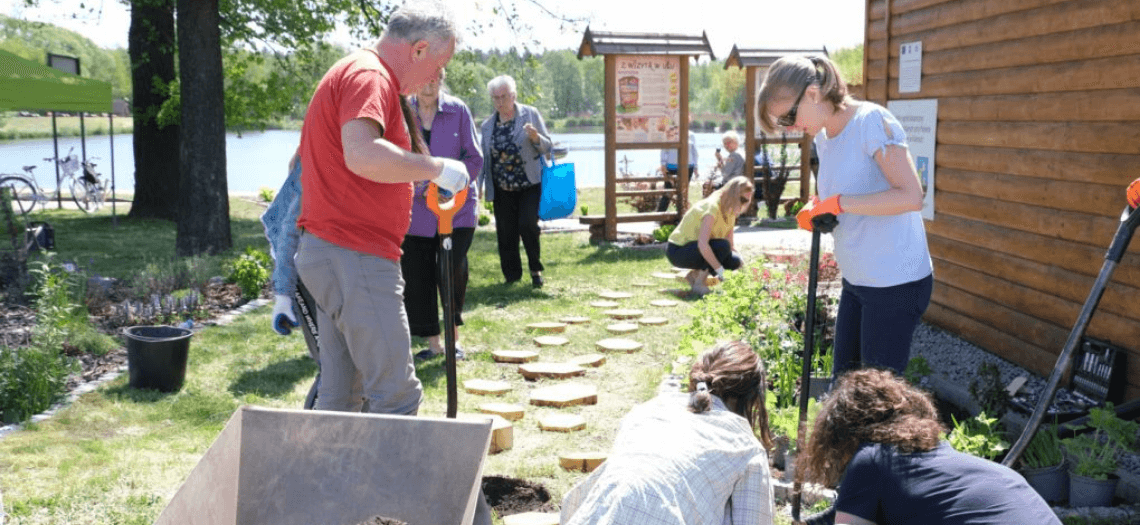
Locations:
(536, 280)
(509, 282)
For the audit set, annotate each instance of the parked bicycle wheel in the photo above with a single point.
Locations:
(86, 195)
(24, 194)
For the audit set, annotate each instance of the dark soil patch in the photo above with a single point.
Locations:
(381, 520)
(514, 496)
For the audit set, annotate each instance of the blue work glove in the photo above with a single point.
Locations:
(284, 320)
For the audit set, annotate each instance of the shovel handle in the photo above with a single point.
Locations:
(447, 210)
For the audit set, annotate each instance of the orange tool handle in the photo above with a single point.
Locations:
(447, 210)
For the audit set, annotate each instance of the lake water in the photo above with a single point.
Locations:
(259, 160)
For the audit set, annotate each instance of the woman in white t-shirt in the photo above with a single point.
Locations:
(867, 180)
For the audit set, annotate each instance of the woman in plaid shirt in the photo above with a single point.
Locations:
(688, 458)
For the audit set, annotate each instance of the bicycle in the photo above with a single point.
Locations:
(89, 191)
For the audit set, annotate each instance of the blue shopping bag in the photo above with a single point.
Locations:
(559, 191)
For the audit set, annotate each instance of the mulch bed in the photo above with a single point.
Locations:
(514, 496)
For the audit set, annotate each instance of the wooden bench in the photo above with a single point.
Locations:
(598, 222)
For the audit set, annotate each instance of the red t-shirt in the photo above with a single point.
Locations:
(338, 205)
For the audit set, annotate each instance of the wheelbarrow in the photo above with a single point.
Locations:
(446, 211)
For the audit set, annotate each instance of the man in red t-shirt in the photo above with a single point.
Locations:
(359, 162)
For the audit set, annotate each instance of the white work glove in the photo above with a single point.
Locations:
(283, 318)
(452, 178)
(719, 273)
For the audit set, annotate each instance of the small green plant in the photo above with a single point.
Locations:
(585, 208)
(916, 369)
(250, 271)
(1044, 450)
(484, 220)
(799, 205)
(988, 390)
(978, 436)
(266, 195)
(662, 233)
(1095, 452)
(489, 206)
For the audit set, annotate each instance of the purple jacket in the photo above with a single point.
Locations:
(452, 136)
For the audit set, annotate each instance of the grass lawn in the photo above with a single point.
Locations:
(117, 455)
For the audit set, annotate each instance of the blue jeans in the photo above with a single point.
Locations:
(689, 256)
(875, 325)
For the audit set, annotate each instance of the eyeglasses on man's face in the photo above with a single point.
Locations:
(501, 98)
(789, 118)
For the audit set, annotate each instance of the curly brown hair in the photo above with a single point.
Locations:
(868, 406)
(733, 372)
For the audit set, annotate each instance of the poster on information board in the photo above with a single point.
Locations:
(648, 98)
(919, 118)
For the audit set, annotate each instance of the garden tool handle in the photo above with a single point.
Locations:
(445, 211)
(805, 377)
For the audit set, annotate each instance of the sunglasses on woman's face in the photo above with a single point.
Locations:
(789, 118)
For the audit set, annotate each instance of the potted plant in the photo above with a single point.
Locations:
(1092, 480)
(1043, 465)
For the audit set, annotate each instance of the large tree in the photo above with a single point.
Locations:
(204, 211)
(152, 50)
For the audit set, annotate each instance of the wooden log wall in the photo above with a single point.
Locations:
(1038, 137)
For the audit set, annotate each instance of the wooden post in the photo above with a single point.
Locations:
(805, 167)
(683, 148)
(866, 46)
(887, 58)
(750, 88)
(611, 147)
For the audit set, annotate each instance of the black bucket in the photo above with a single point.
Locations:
(156, 356)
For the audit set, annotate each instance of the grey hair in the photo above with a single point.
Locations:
(502, 81)
(428, 20)
(731, 134)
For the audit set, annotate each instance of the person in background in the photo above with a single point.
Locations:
(513, 140)
(669, 168)
(360, 152)
(688, 458)
(732, 165)
(867, 181)
(702, 242)
(879, 439)
(449, 131)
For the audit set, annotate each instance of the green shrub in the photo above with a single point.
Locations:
(266, 195)
(484, 220)
(988, 390)
(916, 369)
(978, 436)
(250, 271)
(662, 233)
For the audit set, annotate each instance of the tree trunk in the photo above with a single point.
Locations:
(204, 209)
(152, 51)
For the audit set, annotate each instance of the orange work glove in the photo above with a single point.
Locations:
(817, 212)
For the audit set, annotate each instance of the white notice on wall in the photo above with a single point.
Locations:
(910, 67)
(919, 118)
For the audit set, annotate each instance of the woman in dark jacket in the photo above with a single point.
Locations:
(513, 139)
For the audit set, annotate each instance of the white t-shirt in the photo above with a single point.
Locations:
(877, 251)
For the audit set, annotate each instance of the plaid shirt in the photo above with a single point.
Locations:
(670, 466)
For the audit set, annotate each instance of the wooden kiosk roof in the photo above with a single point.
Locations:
(597, 43)
(764, 57)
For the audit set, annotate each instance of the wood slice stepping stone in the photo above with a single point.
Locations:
(551, 340)
(548, 327)
(562, 423)
(604, 304)
(575, 319)
(564, 395)
(614, 295)
(663, 303)
(622, 328)
(618, 344)
(532, 518)
(502, 432)
(655, 321)
(514, 356)
(665, 275)
(508, 411)
(583, 461)
(624, 313)
(485, 387)
(592, 360)
(533, 371)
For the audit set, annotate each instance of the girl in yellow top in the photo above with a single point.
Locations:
(703, 240)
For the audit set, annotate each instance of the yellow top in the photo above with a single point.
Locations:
(690, 228)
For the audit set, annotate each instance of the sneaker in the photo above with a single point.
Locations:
(536, 280)
(424, 354)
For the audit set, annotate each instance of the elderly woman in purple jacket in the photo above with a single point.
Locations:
(449, 132)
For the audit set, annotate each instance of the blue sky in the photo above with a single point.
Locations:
(834, 23)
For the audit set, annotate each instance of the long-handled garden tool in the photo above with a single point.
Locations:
(445, 212)
(1129, 219)
(822, 224)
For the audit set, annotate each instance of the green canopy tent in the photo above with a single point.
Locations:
(26, 85)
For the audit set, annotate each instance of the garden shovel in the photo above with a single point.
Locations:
(1129, 219)
(445, 212)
